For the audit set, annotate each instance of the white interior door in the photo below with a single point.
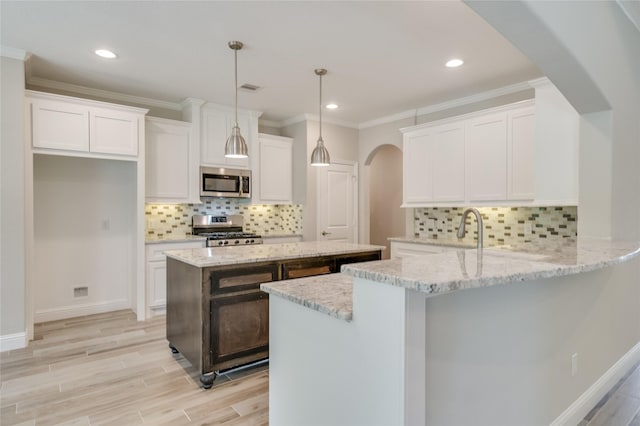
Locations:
(337, 202)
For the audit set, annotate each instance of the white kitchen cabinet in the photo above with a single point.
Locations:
(486, 158)
(171, 162)
(521, 154)
(156, 272)
(273, 179)
(62, 124)
(217, 123)
(401, 249)
(434, 164)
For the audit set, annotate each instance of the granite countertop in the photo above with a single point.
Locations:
(219, 256)
(465, 269)
(456, 270)
(441, 242)
(330, 294)
(170, 238)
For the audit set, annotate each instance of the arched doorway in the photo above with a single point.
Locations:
(386, 217)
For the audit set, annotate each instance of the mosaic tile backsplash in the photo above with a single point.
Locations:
(502, 225)
(264, 220)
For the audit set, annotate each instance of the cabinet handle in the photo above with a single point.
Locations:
(326, 233)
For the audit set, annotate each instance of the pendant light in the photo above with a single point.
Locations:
(320, 155)
(236, 147)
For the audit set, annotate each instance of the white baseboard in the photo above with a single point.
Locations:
(80, 310)
(9, 342)
(585, 403)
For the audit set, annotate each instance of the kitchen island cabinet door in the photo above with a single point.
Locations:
(308, 267)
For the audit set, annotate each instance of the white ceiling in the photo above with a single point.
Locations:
(383, 57)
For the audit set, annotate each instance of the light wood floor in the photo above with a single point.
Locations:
(109, 369)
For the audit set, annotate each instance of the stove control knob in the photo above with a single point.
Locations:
(247, 241)
(220, 243)
(252, 241)
(226, 242)
(236, 242)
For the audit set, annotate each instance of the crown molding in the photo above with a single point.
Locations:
(105, 94)
(269, 123)
(478, 97)
(13, 53)
(312, 117)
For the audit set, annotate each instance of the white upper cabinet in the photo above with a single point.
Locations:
(434, 164)
(171, 162)
(519, 154)
(84, 127)
(273, 179)
(217, 122)
(486, 158)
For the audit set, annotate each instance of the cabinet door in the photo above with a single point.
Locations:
(167, 160)
(522, 154)
(307, 268)
(276, 168)
(60, 125)
(216, 128)
(486, 158)
(113, 132)
(447, 164)
(417, 181)
(156, 284)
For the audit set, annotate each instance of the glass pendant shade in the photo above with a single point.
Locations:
(236, 146)
(320, 155)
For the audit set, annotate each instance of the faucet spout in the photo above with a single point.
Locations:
(478, 216)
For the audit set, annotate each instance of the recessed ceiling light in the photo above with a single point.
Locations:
(104, 53)
(332, 106)
(454, 63)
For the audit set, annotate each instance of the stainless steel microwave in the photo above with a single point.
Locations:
(224, 182)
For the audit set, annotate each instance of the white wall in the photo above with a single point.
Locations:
(12, 206)
(84, 211)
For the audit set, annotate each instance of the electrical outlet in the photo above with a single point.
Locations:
(574, 364)
(80, 291)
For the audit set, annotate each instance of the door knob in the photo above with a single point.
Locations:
(326, 233)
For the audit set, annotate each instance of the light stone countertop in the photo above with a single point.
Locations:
(439, 242)
(464, 269)
(442, 273)
(330, 294)
(220, 256)
(171, 238)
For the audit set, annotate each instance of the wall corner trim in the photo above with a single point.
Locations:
(581, 406)
(9, 342)
(13, 53)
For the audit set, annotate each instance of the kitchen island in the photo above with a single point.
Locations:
(217, 317)
(534, 334)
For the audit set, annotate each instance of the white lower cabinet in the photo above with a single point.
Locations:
(400, 249)
(156, 272)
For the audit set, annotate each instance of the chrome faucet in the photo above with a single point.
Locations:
(478, 216)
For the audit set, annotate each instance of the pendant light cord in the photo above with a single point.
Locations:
(236, 82)
(320, 107)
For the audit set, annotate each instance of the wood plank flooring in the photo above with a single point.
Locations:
(109, 369)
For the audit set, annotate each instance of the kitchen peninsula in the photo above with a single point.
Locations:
(460, 337)
(217, 317)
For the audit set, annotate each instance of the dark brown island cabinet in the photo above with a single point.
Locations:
(218, 318)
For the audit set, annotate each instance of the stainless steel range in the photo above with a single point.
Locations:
(223, 231)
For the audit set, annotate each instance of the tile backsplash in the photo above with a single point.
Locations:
(502, 225)
(265, 220)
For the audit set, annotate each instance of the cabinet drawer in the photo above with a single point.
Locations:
(307, 268)
(366, 257)
(156, 251)
(239, 279)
